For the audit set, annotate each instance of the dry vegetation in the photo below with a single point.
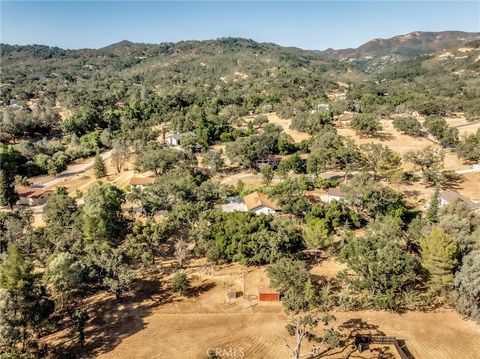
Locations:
(157, 324)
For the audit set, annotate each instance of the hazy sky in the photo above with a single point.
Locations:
(308, 25)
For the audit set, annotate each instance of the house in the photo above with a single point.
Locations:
(272, 160)
(13, 105)
(33, 196)
(335, 194)
(176, 138)
(447, 197)
(141, 183)
(268, 295)
(315, 196)
(324, 106)
(259, 203)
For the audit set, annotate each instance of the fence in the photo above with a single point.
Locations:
(361, 340)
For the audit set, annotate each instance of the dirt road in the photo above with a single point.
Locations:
(72, 170)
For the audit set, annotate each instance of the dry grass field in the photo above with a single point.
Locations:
(401, 144)
(159, 324)
(285, 124)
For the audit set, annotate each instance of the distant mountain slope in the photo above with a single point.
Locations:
(378, 53)
(232, 68)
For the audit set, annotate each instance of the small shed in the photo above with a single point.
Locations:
(268, 295)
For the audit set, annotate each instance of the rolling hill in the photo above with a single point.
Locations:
(378, 53)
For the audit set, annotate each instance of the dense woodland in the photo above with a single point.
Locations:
(62, 105)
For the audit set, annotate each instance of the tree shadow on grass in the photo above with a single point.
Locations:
(113, 320)
(384, 136)
(452, 180)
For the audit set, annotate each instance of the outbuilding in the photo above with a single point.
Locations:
(176, 138)
(268, 295)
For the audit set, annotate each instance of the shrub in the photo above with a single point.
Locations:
(180, 283)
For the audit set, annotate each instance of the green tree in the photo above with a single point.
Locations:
(119, 154)
(408, 125)
(99, 167)
(267, 174)
(161, 160)
(8, 194)
(144, 240)
(213, 160)
(469, 147)
(468, 286)
(371, 198)
(181, 283)
(379, 159)
(293, 280)
(57, 163)
(23, 303)
(439, 129)
(318, 233)
(434, 205)
(80, 318)
(439, 257)
(65, 273)
(429, 161)
(365, 125)
(102, 213)
(290, 195)
(381, 268)
(260, 120)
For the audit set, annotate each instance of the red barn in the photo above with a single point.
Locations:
(268, 295)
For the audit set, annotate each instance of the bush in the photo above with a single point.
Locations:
(365, 124)
(409, 126)
(180, 283)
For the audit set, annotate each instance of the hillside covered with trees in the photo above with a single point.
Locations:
(59, 106)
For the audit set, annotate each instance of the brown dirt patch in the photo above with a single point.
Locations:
(401, 144)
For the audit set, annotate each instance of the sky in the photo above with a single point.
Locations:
(315, 25)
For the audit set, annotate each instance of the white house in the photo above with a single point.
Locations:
(259, 203)
(176, 138)
(447, 197)
(141, 183)
(335, 194)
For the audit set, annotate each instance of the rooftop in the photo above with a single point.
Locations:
(257, 199)
(450, 196)
(178, 136)
(33, 192)
(336, 192)
(136, 181)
